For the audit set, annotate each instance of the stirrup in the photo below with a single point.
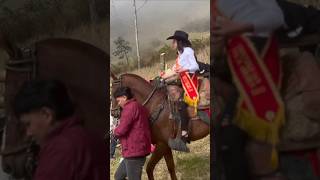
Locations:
(178, 145)
(185, 138)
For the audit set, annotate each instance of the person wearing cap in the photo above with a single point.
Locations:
(134, 133)
(185, 62)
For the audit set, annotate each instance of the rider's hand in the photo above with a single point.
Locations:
(179, 70)
(182, 70)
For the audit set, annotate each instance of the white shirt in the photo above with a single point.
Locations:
(265, 15)
(187, 60)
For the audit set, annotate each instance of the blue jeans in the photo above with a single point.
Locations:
(113, 145)
(130, 168)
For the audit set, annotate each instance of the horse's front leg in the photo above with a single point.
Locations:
(170, 164)
(155, 158)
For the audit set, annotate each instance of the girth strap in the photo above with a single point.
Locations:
(156, 113)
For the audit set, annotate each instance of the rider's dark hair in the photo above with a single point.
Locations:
(37, 94)
(181, 44)
(123, 91)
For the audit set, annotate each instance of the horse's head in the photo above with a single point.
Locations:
(15, 147)
(116, 83)
(17, 152)
(140, 89)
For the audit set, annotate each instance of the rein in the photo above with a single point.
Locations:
(150, 95)
(28, 59)
(116, 110)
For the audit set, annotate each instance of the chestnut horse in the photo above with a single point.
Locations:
(162, 127)
(81, 66)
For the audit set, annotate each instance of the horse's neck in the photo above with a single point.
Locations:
(140, 88)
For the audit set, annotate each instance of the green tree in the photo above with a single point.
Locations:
(122, 49)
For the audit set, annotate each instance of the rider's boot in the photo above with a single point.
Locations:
(184, 117)
(179, 143)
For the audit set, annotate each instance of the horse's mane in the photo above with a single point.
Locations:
(85, 48)
(137, 77)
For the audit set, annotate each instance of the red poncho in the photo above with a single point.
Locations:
(71, 153)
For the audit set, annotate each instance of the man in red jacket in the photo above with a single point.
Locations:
(134, 134)
(67, 150)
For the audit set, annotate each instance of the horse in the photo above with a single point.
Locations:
(80, 66)
(162, 127)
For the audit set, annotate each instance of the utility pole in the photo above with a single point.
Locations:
(136, 30)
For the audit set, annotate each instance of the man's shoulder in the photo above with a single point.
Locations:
(69, 139)
(58, 145)
(136, 107)
(133, 104)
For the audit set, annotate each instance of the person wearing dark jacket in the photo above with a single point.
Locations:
(67, 150)
(134, 134)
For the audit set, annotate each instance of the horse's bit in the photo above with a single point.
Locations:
(27, 63)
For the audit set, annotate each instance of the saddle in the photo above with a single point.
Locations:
(203, 107)
(174, 88)
(301, 95)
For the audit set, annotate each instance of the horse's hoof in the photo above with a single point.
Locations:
(178, 145)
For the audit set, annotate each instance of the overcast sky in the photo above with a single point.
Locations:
(157, 19)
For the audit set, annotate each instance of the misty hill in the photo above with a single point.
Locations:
(157, 21)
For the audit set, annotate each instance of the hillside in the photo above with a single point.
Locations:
(149, 58)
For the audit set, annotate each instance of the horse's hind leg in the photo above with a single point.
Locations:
(170, 164)
(155, 158)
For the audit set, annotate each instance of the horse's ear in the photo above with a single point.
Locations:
(7, 46)
(113, 76)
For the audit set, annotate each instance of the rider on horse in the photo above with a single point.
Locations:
(186, 66)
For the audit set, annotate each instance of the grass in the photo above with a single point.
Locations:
(189, 166)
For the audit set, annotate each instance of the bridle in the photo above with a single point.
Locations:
(27, 63)
(116, 111)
